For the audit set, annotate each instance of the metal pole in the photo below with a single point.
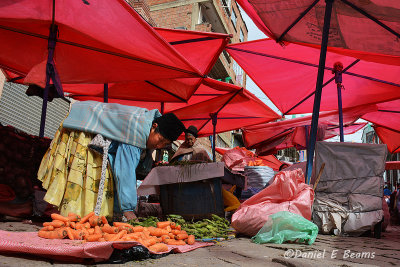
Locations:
(214, 118)
(162, 108)
(105, 94)
(339, 95)
(318, 91)
(49, 73)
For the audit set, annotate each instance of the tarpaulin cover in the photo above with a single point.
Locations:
(238, 158)
(201, 49)
(287, 75)
(389, 137)
(292, 132)
(352, 178)
(236, 107)
(99, 41)
(348, 28)
(63, 249)
(288, 192)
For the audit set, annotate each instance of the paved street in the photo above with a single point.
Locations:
(326, 251)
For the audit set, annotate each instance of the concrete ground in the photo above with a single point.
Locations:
(326, 251)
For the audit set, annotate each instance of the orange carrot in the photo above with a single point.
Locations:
(163, 237)
(87, 225)
(97, 230)
(73, 217)
(190, 240)
(104, 220)
(48, 228)
(94, 237)
(91, 231)
(171, 235)
(62, 232)
(46, 224)
(86, 218)
(181, 236)
(69, 233)
(138, 228)
(168, 228)
(72, 225)
(178, 227)
(117, 224)
(158, 232)
(173, 225)
(108, 237)
(57, 223)
(149, 242)
(78, 234)
(101, 239)
(49, 234)
(108, 229)
(175, 242)
(176, 232)
(59, 217)
(118, 236)
(160, 247)
(78, 226)
(163, 224)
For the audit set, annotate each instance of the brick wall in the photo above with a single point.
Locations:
(143, 9)
(173, 17)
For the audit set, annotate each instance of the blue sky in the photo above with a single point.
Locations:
(254, 34)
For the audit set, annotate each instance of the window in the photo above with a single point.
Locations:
(238, 72)
(226, 5)
(233, 18)
(241, 37)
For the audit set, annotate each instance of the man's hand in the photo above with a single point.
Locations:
(130, 215)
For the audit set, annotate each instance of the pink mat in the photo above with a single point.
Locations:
(30, 243)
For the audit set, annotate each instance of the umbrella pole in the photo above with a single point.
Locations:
(105, 94)
(318, 91)
(339, 94)
(214, 118)
(49, 73)
(162, 108)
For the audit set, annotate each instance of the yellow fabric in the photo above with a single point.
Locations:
(70, 172)
(230, 200)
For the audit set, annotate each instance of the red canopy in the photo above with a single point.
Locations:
(389, 137)
(270, 137)
(351, 27)
(387, 115)
(287, 75)
(100, 41)
(199, 48)
(235, 106)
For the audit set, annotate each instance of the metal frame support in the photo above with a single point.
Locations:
(339, 86)
(318, 91)
(105, 95)
(214, 119)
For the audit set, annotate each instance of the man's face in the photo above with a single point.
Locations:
(190, 140)
(156, 140)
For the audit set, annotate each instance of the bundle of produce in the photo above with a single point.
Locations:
(92, 228)
(217, 227)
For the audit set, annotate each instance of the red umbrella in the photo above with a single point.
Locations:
(389, 137)
(214, 108)
(98, 41)
(269, 137)
(370, 26)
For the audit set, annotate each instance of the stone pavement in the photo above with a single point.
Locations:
(326, 251)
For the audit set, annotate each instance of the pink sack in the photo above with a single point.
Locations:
(237, 158)
(288, 192)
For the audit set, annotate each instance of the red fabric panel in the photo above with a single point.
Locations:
(348, 28)
(201, 49)
(235, 110)
(256, 134)
(109, 25)
(63, 249)
(389, 137)
(392, 165)
(388, 119)
(349, 129)
(273, 74)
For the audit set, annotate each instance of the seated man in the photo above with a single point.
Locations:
(188, 151)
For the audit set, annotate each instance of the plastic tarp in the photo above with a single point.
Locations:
(287, 75)
(353, 179)
(238, 158)
(288, 133)
(100, 41)
(201, 49)
(288, 192)
(389, 137)
(348, 28)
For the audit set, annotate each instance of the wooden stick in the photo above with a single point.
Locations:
(319, 175)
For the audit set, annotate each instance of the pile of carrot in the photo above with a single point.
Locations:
(257, 162)
(92, 228)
